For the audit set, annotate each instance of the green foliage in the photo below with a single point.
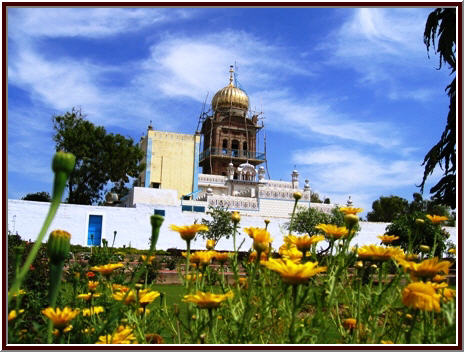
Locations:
(387, 209)
(314, 198)
(220, 226)
(441, 25)
(101, 157)
(38, 197)
(419, 234)
(306, 219)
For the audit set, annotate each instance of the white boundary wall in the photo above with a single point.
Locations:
(133, 225)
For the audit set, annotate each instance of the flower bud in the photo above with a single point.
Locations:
(351, 220)
(156, 221)
(420, 221)
(58, 246)
(424, 248)
(63, 162)
(374, 266)
(235, 217)
(267, 221)
(210, 244)
(358, 264)
(297, 195)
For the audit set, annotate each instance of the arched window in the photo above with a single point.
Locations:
(245, 149)
(235, 147)
(225, 143)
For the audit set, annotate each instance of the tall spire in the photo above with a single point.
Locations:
(231, 78)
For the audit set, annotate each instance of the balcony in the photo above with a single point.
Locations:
(234, 153)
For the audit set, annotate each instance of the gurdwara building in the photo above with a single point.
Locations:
(225, 148)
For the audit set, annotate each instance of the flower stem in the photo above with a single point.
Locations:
(58, 189)
(291, 332)
(291, 219)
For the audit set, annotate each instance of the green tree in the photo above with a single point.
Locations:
(220, 224)
(441, 25)
(407, 229)
(38, 197)
(101, 157)
(306, 220)
(386, 209)
(314, 198)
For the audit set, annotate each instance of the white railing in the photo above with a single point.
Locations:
(204, 178)
(232, 202)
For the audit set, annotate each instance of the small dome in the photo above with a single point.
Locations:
(230, 96)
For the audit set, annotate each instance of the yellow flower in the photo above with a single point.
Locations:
(385, 342)
(13, 314)
(250, 231)
(388, 239)
(87, 296)
(261, 240)
(297, 195)
(20, 292)
(121, 295)
(150, 259)
(56, 332)
(147, 296)
(350, 210)
(188, 232)
(86, 312)
(92, 285)
(210, 244)
(193, 277)
(118, 287)
(123, 335)
(207, 299)
(202, 257)
(107, 269)
(439, 278)
(358, 264)
(452, 251)
(243, 282)
(303, 243)
(254, 254)
(426, 269)
(379, 253)
(235, 217)
(424, 248)
(221, 257)
(333, 231)
(60, 318)
(420, 295)
(291, 253)
(349, 323)
(448, 294)
(436, 219)
(293, 273)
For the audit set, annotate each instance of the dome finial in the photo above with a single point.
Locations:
(231, 78)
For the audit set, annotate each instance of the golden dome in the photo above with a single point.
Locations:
(230, 96)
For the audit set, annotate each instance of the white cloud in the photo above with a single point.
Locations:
(337, 172)
(310, 115)
(385, 47)
(192, 66)
(84, 22)
(343, 168)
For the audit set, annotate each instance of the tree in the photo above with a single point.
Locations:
(441, 25)
(407, 229)
(306, 220)
(387, 209)
(38, 197)
(314, 198)
(101, 157)
(220, 225)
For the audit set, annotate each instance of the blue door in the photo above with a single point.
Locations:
(95, 230)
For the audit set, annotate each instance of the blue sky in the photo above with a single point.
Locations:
(349, 95)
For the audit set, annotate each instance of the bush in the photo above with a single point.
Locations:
(419, 233)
